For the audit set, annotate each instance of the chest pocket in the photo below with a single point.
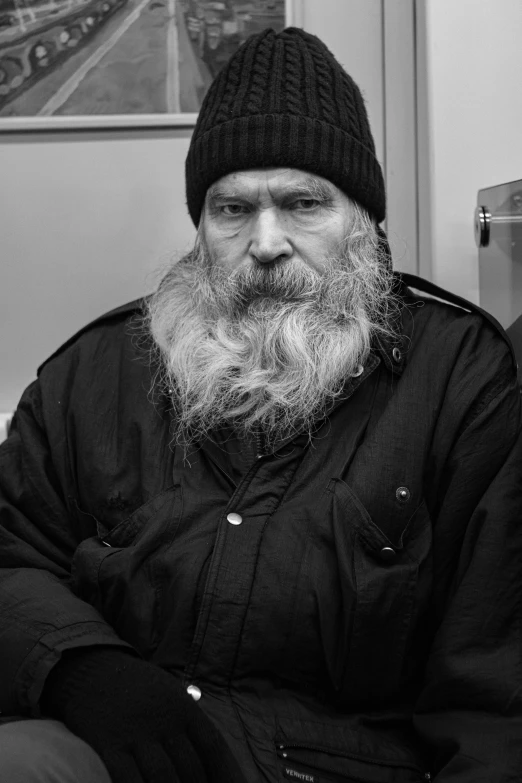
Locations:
(391, 584)
(121, 570)
(360, 596)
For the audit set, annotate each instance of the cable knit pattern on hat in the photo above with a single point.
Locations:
(283, 100)
(293, 69)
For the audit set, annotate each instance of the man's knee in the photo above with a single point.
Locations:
(41, 751)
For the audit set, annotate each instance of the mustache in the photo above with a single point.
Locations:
(359, 271)
(286, 280)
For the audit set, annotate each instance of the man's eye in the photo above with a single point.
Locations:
(307, 203)
(232, 210)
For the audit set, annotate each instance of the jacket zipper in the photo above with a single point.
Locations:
(260, 444)
(304, 746)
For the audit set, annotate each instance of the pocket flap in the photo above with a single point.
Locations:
(327, 766)
(125, 532)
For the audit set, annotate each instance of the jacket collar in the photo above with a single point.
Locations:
(214, 444)
(393, 351)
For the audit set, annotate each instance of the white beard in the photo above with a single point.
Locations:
(269, 346)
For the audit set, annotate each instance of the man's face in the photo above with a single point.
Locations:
(263, 322)
(269, 215)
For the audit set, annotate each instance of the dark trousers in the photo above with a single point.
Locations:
(45, 751)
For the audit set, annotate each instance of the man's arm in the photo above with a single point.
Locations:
(138, 717)
(39, 615)
(470, 708)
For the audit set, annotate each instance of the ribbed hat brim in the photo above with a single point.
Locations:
(289, 141)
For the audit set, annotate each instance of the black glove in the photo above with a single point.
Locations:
(139, 720)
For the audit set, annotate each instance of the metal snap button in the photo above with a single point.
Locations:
(358, 371)
(234, 519)
(403, 494)
(396, 355)
(194, 691)
(387, 554)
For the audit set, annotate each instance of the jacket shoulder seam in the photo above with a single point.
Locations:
(120, 313)
(432, 291)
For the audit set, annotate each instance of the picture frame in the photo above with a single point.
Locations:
(200, 37)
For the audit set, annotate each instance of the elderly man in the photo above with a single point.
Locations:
(265, 525)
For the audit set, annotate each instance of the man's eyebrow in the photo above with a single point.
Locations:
(314, 188)
(311, 187)
(216, 192)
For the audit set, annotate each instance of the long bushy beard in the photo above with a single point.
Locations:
(268, 346)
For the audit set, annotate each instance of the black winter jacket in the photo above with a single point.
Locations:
(350, 610)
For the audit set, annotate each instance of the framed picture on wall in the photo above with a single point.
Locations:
(120, 63)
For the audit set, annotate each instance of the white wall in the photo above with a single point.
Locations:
(86, 216)
(353, 30)
(470, 130)
(83, 220)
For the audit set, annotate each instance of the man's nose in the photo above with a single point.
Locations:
(270, 240)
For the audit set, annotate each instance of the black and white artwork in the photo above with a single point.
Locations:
(75, 63)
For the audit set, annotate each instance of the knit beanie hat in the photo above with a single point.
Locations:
(283, 100)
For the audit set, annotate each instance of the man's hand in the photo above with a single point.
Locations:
(139, 720)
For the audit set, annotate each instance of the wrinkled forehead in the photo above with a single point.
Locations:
(275, 183)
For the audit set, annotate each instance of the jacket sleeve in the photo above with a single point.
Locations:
(39, 615)
(470, 708)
